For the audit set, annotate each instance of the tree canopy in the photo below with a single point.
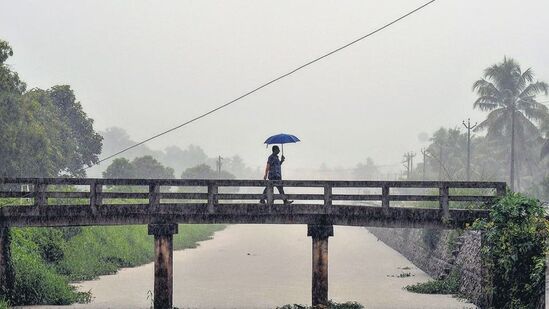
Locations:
(45, 132)
(204, 171)
(509, 95)
(141, 167)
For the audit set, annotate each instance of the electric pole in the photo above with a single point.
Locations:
(469, 127)
(424, 153)
(219, 158)
(409, 161)
(440, 162)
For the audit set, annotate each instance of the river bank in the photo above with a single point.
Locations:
(45, 260)
(264, 266)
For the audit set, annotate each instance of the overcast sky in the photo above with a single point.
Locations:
(147, 66)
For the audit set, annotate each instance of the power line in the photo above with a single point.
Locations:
(266, 84)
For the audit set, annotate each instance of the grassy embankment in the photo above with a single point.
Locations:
(46, 260)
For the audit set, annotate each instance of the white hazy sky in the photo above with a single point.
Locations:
(146, 66)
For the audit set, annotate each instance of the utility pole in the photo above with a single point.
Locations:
(406, 164)
(409, 161)
(440, 162)
(412, 155)
(469, 127)
(424, 153)
(219, 158)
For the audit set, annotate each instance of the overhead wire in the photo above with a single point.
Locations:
(263, 85)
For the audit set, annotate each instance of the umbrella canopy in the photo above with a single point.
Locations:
(281, 139)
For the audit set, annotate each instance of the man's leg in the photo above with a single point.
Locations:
(285, 198)
(262, 201)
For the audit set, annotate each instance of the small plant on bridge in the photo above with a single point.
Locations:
(514, 249)
(331, 305)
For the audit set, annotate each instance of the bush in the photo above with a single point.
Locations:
(448, 285)
(35, 281)
(514, 251)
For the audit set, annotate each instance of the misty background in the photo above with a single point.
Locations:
(148, 66)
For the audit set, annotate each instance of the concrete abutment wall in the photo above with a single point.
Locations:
(440, 252)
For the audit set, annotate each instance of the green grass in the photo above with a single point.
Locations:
(46, 260)
(4, 304)
(449, 285)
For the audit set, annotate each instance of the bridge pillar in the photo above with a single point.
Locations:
(7, 275)
(320, 234)
(163, 264)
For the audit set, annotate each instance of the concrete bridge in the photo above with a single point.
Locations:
(165, 203)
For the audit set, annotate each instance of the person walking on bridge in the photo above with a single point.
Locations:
(273, 171)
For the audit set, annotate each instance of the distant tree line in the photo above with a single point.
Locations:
(177, 158)
(149, 167)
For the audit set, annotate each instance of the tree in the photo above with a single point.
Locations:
(182, 159)
(85, 141)
(119, 168)
(513, 251)
(115, 138)
(148, 167)
(545, 134)
(366, 171)
(509, 95)
(204, 171)
(45, 133)
(9, 80)
(141, 167)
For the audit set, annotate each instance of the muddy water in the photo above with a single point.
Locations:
(264, 266)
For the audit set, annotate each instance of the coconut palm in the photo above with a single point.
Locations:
(509, 95)
(545, 134)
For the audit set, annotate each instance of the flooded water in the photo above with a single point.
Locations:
(264, 266)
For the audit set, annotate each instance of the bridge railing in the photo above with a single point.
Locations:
(100, 191)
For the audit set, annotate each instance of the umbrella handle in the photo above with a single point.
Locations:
(282, 149)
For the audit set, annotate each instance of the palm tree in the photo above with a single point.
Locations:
(545, 135)
(509, 95)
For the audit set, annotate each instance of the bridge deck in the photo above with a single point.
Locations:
(162, 203)
(157, 201)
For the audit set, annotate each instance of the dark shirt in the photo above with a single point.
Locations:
(275, 171)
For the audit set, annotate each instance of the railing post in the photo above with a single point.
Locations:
(328, 198)
(501, 189)
(444, 192)
(270, 193)
(319, 235)
(212, 198)
(154, 198)
(95, 194)
(7, 274)
(385, 196)
(40, 194)
(163, 264)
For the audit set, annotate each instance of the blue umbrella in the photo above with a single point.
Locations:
(282, 139)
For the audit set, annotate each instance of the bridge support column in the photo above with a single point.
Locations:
(320, 234)
(163, 264)
(7, 275)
